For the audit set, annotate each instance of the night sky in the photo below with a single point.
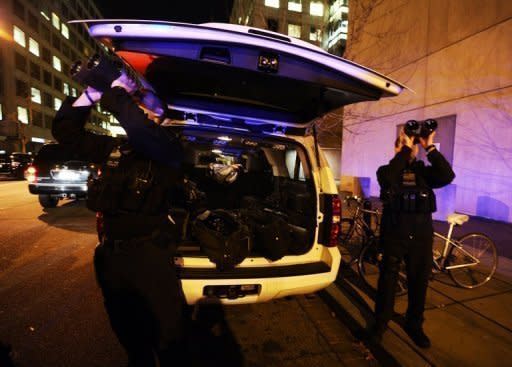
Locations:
(189, 11)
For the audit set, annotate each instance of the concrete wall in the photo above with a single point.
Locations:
(456, 56)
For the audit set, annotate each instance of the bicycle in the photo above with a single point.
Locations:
(471, 261)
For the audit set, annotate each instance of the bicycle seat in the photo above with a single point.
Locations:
(457, 219)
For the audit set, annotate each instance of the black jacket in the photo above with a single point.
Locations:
(153, 146)
(398, 225)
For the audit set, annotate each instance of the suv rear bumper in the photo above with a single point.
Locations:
(79, 189)
(273, 281)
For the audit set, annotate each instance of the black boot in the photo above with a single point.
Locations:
(418, 336)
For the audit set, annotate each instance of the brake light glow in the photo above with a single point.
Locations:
(336, 221)
(31, 174)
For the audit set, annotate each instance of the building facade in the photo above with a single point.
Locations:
(37, 47)
(455, 55)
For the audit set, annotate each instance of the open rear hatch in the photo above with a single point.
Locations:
(240, 75)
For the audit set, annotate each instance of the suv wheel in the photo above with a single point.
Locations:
(48, 201)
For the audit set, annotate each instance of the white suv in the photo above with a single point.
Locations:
(249, 97)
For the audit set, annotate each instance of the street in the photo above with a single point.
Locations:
(51, 310)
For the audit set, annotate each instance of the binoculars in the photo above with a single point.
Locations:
(100, 71)
(416, 129)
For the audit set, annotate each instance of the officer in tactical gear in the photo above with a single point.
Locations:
(133, 262)
(406, 229)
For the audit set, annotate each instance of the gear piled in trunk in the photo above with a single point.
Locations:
(244, 197)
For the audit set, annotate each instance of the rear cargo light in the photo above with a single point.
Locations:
(31, 174)
(336, 221)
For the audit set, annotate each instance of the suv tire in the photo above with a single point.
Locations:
(48, 201)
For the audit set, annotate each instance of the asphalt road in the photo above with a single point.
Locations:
(51, 310)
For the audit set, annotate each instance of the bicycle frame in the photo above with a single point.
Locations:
(440, 263)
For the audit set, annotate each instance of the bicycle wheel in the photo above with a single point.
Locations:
(346, 230)
(370, 263)
(482, 248)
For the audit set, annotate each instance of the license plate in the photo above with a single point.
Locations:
(231, 291)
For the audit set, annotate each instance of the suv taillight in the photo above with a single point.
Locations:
(329, 228)
(31, 174)
(335, 221)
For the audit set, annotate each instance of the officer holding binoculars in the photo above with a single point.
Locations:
(131, 197)
(406, 228)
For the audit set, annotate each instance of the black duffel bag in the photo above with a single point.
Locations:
(223, 236)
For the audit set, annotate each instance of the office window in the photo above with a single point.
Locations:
(65, 31)
(19, 36)
(21, 89)
(47, 99)
(33, 21)
(57, 102)
(65, 89)
(35, 95)
(295, 5)
(294, 30)
(23, 115)
(45, 31)
(57, 84)
(66, 67)
(35, 70)
(37, 118)
(45, 16)
(55, 21)
(56, 41)
(73, 92)
(21, 62)
(18, 9)
(272, 25)
(33, 46)
(47, 56)
(272, 3)
(48, 121)
(316, 8)
(47, 78)
(56, 63)
(315, 34)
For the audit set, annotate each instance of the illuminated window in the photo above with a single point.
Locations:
(272, 3)
(57, 102)
(65, 31)
(315, 34)
(36, 95)
(295, 5)
(294, 30)
(33, 46)
(73, 92)
(316, 8)
(19, 36)
(65, 89)
(57, 64)
(45, 16)
(55, 21)
(23, 115)
(1, 113)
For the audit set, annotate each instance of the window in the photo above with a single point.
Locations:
(37, 118)
(56, 63)
(23, 115)
(45, 16)
(20, 62)
(45, 31)
(35, 95)
(56, 41)
(18, 9)
(272, 3)
(47, 78)
(21, 88)
(315, 34)
(57, 102)
(55, 21)
(57, 83)
(47, 99)
(1, 112)
(19, 36)
(33, 22)
(33, 46)
(73, 92)
(316, 8)
(272, 25)
(295, 5)
(35, 71)
(294, 30)
(65, 89)
(47, 56)
(48, 121)
(65, 31)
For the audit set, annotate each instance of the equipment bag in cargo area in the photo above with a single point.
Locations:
(224, 238)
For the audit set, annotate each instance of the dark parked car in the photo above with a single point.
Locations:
(14, 164)
(55, 174)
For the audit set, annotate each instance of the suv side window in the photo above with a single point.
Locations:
(294, 165)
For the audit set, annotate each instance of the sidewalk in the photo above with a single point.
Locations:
(467, 327)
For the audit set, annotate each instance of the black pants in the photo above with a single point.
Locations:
(142, 298)
(417, 253)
